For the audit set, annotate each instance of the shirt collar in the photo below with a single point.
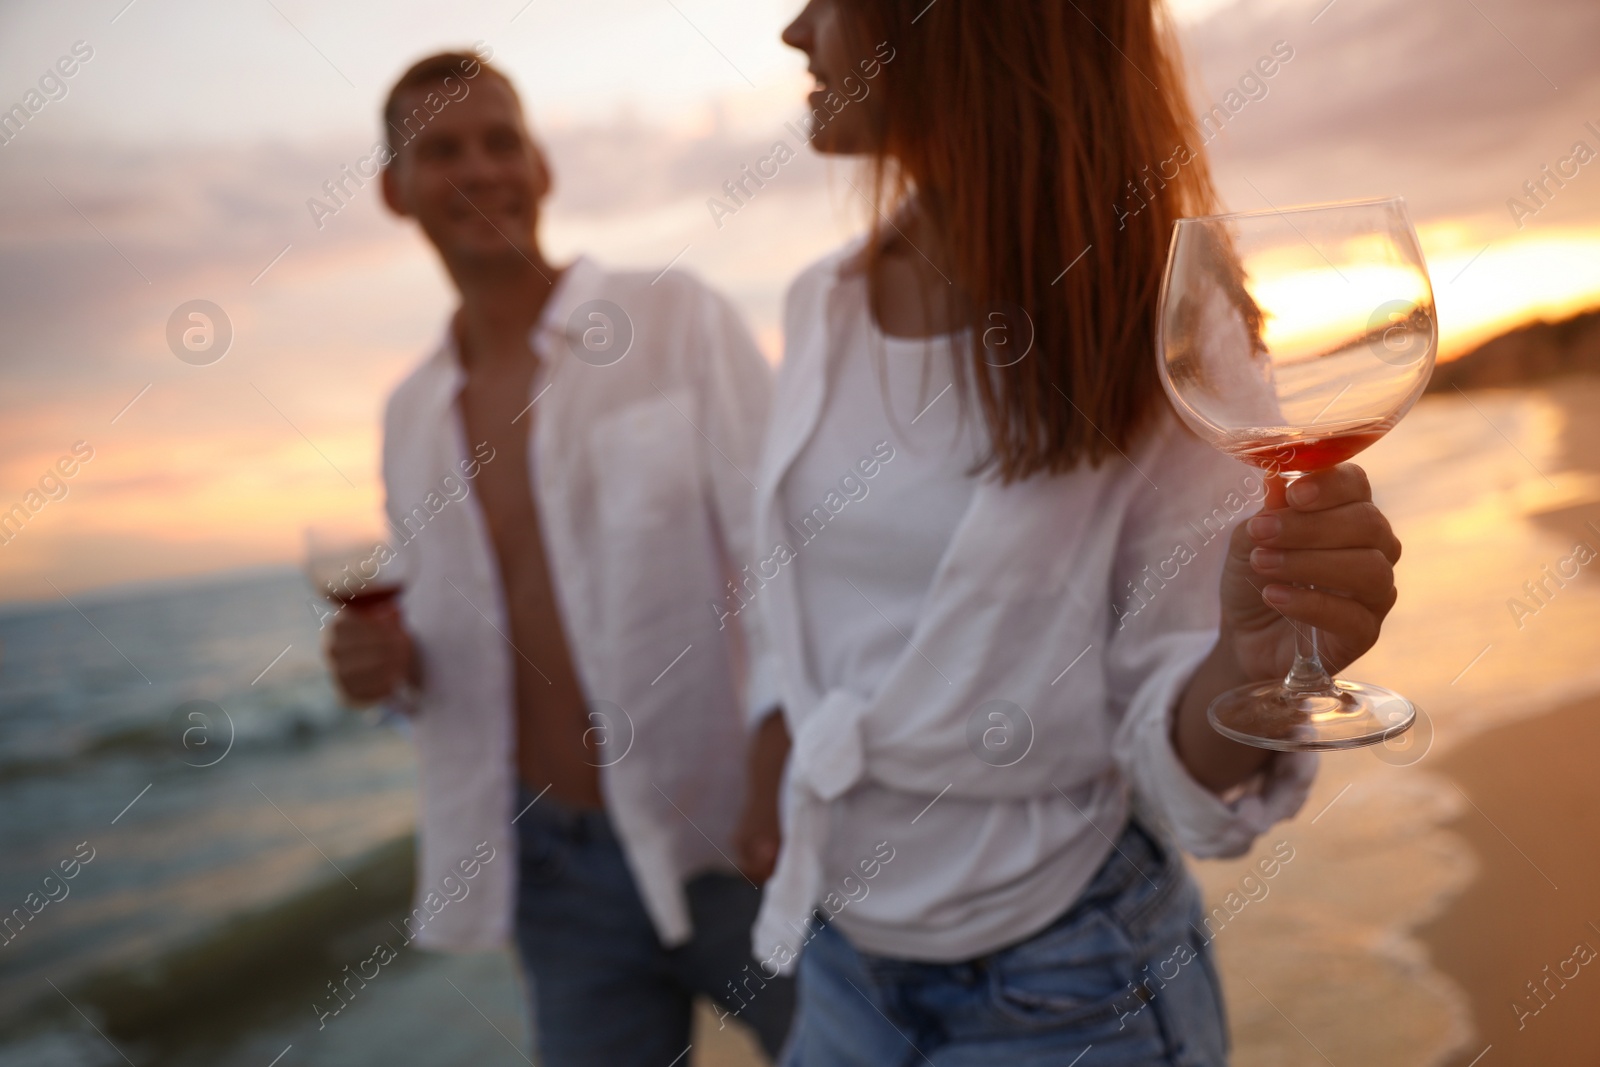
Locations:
(577, 284)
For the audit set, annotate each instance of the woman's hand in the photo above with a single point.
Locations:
(1328, 534)
(1324, 532)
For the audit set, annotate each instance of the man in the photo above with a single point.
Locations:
(575, 705)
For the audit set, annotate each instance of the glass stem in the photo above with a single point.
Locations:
(1308, 675)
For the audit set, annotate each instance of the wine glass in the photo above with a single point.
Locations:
(354, 566)
(1292, 340)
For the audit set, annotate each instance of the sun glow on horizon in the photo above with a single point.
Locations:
(1484, 286)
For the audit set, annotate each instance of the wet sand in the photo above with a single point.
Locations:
(1535, 809)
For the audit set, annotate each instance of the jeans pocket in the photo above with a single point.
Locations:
(1075, 973)
(1179, 977)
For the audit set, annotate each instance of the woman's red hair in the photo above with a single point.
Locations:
(1040, 135)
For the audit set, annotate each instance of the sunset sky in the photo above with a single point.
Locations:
(179, 162)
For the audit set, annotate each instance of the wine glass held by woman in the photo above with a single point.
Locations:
(1293, 339)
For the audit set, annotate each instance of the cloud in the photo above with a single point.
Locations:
(631, 166)
(103, 241)
(1381, 98)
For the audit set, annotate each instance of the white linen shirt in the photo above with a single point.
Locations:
(1025, 588)
(640, 471)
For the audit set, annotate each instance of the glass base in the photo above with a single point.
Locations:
(1350, 715)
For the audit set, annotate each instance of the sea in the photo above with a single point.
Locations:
(236, 837)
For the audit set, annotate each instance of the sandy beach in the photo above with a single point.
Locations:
(1516, 939)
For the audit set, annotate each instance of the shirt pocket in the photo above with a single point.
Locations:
(653, 544)
(645, 464)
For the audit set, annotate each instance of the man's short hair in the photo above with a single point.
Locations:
(433, 70)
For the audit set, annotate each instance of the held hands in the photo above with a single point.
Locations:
(758, 836)
(369, 652)
(1324, 532)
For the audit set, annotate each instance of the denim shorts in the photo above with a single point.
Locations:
(1125, 976)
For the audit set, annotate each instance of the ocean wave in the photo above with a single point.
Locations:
(289, 941)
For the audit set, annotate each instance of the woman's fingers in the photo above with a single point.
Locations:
(1357, 524)
(1352, 622)
(1329, 508)
(1329, 488)
(1363, 573)
(1319, 555)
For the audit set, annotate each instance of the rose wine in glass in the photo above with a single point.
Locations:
(1292, 340)
(355, 567)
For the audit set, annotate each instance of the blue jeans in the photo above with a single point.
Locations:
(606, 992)
(1124, 977)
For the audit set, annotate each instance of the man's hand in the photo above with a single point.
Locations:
(1324, 533)
(758, 837)
(370, 653)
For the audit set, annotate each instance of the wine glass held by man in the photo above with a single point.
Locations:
(374, 653)
(361, 575)
(985, 588)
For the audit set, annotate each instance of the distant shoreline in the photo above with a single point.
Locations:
(1527, 355)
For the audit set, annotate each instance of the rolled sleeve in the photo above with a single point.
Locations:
(1165, 628)
(1165, 793)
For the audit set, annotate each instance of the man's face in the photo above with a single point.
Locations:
(472, 178)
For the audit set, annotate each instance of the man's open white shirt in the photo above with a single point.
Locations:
(641, 472)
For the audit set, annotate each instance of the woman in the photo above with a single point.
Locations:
(1000, 591)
